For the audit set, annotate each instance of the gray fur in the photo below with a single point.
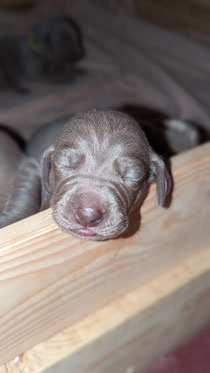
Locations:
(92, 174)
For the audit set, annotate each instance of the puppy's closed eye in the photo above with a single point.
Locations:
(131, 174)
(70, 159)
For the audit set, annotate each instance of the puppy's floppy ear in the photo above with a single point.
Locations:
(159, 174)
(45, 167)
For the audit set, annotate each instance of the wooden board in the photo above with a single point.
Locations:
(128, 334)
(50, 280)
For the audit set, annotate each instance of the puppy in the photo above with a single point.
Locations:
(10, 155)
(93, 175)
(51, 51)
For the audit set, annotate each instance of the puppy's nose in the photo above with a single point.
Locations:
(89, 216)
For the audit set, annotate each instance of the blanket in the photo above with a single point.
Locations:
(128, 63)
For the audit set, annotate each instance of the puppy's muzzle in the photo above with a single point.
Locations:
(86, 211)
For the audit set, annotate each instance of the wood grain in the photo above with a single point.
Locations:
(128, 334)
(50, 280)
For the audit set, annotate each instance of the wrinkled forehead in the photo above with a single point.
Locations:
(104, 134)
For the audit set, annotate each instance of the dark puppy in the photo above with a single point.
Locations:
(51, 50)
(93, 175)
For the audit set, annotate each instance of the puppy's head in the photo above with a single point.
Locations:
(97, 172)
(58, 41)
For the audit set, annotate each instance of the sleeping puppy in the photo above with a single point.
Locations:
(51, 51)
(92, 175)
(10, 156)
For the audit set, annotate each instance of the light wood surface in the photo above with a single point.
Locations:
(128, 334)
(50, 280)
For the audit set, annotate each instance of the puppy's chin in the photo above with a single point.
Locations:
(88, 233)
(95, 237)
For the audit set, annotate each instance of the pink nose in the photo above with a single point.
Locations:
(89, 216)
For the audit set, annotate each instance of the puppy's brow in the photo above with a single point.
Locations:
(67, 146)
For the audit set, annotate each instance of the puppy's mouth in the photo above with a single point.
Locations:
(86, 232)
(101, 232)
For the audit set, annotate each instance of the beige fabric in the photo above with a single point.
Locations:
(128, 62)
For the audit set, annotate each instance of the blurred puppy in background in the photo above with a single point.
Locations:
(50, 51)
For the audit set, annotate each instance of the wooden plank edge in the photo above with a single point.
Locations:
(42, 222)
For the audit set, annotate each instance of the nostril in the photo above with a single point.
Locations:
(89, 216)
